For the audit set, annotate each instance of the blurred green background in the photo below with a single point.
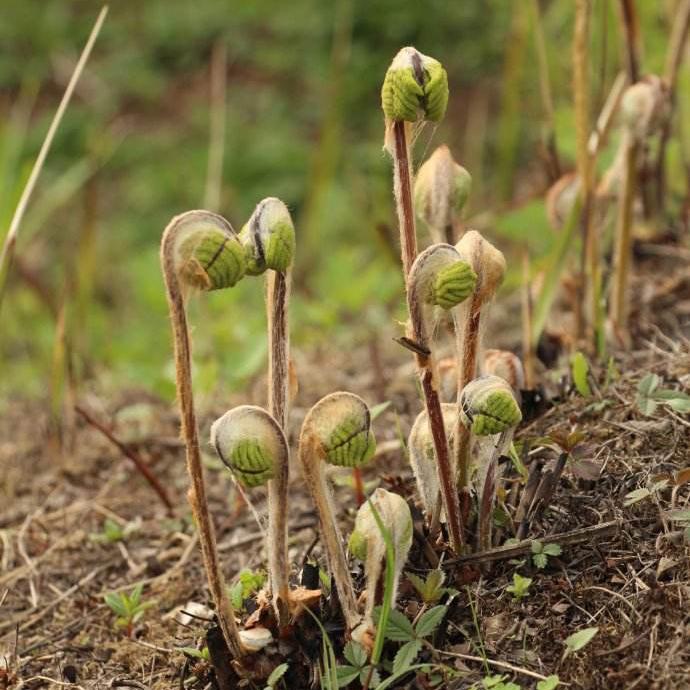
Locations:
(302, 122)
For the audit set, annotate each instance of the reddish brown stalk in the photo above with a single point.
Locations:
(408, 242)
(141, 466)
(528, 354)
(403, 196)
(197, 493)
(623, 248)
(277, 296)
(432, 403)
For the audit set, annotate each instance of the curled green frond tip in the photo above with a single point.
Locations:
(357, 544)
(350, 445)
(415, 87)
(340, 424)
(250, 443)
(269, 238)
(212, 260)
(453, 284)
(250, 462)
(488, 406)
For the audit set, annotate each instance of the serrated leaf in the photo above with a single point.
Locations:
(548, 683)
(540, 560)
(406, 655)
(355, 654)
(374, 679)
(346, 674)
(399, 628)
(579, 639)
(681, 405)
(553, 550)
(648, 385)
(636, 496)
(430, 620)
(277, 673)
(580, 369)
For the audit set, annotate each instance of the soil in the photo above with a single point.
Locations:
(631, 582)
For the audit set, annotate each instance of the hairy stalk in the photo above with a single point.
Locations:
(590, 264)
(336, 430)
(416, 88)
(277, 292)
(199, 249)
(618, 308)
(439, 277)
(269, 237)
(489, 265)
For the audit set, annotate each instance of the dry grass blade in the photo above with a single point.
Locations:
(11, 238)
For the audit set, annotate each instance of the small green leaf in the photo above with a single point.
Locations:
(346, 674)
(580, 369)
(374, 679)
(540, 560)
(277, 673)
(520, 586)
(399, 628)
(195, 653)
(648, 385)
(430, 620)
(548, 683)
(553, 550)
(579, 639)
(636, 496)
(355, 654)
(537, 546)
(406, 655)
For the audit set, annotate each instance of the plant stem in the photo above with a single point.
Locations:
(402, 186)
(197, 493)
(590, 256)
(277, 300)
(553, 164)
(432, 403)
(528, 354)
(312, 467)
(618, 309)
(10, 242)
(425, 364)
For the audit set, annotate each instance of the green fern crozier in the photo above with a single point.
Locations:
(415, 87)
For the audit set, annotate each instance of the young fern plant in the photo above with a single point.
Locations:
(441, 190)
(252, 445)
(438, 278)
(415, 89)
(489, 266)
(644, 107)
(367, 543)
(488, 408)
(200, 250)
(269, 239)
(337, 430)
